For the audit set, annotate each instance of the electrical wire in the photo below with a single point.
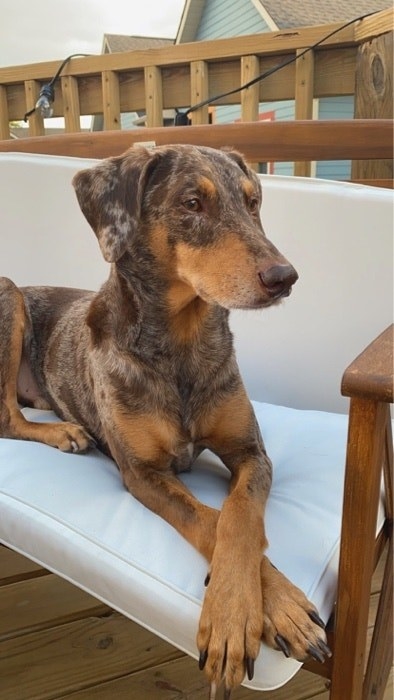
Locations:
(181, 118)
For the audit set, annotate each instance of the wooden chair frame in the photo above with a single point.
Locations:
(353, 674)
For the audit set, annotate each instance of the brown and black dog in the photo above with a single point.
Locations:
(146, 369)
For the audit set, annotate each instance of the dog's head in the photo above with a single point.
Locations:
(197, 210)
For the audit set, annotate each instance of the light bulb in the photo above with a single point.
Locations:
(45, 100)
(44, 106)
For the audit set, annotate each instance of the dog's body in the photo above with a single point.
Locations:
(146, 369)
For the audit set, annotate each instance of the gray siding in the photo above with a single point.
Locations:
(226, 18)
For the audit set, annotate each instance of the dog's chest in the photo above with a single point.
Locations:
(184, 460)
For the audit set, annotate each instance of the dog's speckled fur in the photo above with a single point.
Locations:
(146, 368)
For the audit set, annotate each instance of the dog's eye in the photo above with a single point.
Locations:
(253, 205)
(192, 204)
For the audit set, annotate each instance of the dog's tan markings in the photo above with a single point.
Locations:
(248, 187)
(158, 242)
(188, 322)
(207, 187)
(224, 272)
(149, 437)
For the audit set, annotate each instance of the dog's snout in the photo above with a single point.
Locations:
(278, 279)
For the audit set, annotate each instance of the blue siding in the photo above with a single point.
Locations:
(335, 108)
(221, 19)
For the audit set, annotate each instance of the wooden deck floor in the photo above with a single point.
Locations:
(58, 642)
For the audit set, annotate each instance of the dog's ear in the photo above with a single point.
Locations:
(110, 196)
(240, 161)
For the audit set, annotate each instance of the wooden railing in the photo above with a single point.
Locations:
(357, 60)
(361, 140)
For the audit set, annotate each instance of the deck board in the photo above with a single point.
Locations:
(57, 642)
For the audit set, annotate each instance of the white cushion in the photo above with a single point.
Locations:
(72, 514)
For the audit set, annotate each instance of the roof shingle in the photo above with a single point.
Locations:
(296, 13)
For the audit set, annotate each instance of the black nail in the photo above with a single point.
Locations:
(227, 694)
(315, 653)
(202, 659)
(282, 644)
(325, 649)
(315, 618)
(249, 667)
(207, 579)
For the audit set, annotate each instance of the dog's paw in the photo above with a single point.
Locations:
(230, 629)
(69, 437)
(291, 622)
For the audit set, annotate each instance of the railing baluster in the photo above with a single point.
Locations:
(304, 92)
(4, 116)
(250, 69)
(36, 122)
(111, 100)
(71, 106)
(153, 96)
(199, 91)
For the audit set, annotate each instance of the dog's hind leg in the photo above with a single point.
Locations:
(68, 437)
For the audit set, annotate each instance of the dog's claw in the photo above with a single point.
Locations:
(74, 446)
(325, 649)
(249, 667)
(227, 694)
(315, 653)
(202, 659)
(212, 691)
(207, 579)
(316, 619)
(282, 644)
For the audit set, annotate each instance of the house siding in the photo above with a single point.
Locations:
(222, 19)
(335, 108)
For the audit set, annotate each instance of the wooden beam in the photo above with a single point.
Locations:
(4, 116)
(153, 96)
(219, 49)
(271, 141)
(111, 100)
(374, 97)
(36, 122)
(71, 107)
(199, 91)
(371, 27)
(250, 69)
(304, 88)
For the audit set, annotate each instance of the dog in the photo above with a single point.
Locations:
(145, 368)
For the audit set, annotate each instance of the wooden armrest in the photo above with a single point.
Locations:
(370, 375)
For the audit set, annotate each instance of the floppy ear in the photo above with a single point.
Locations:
(110, 196)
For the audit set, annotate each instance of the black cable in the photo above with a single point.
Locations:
(48, 89)
(181, 118)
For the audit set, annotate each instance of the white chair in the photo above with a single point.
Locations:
(69, 513)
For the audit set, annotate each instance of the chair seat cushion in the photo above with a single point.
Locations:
(71, 514)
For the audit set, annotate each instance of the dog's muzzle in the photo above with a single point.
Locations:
(278, 280)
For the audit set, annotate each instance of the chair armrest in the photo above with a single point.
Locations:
(370, 375)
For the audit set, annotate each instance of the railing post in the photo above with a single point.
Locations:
(304, 91)
(71, 107)
(36, 122)
(199, 91)
(4, 120)
(111, 100)
(250, 69)
(374, 97)
(153, 96)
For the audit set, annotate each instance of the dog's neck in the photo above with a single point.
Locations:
(148, 316)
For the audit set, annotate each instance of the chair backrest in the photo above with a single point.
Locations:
(337, 235)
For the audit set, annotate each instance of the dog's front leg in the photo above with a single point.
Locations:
(143, 447)
(231, 624)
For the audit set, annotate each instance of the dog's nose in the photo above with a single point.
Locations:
(279, 279)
